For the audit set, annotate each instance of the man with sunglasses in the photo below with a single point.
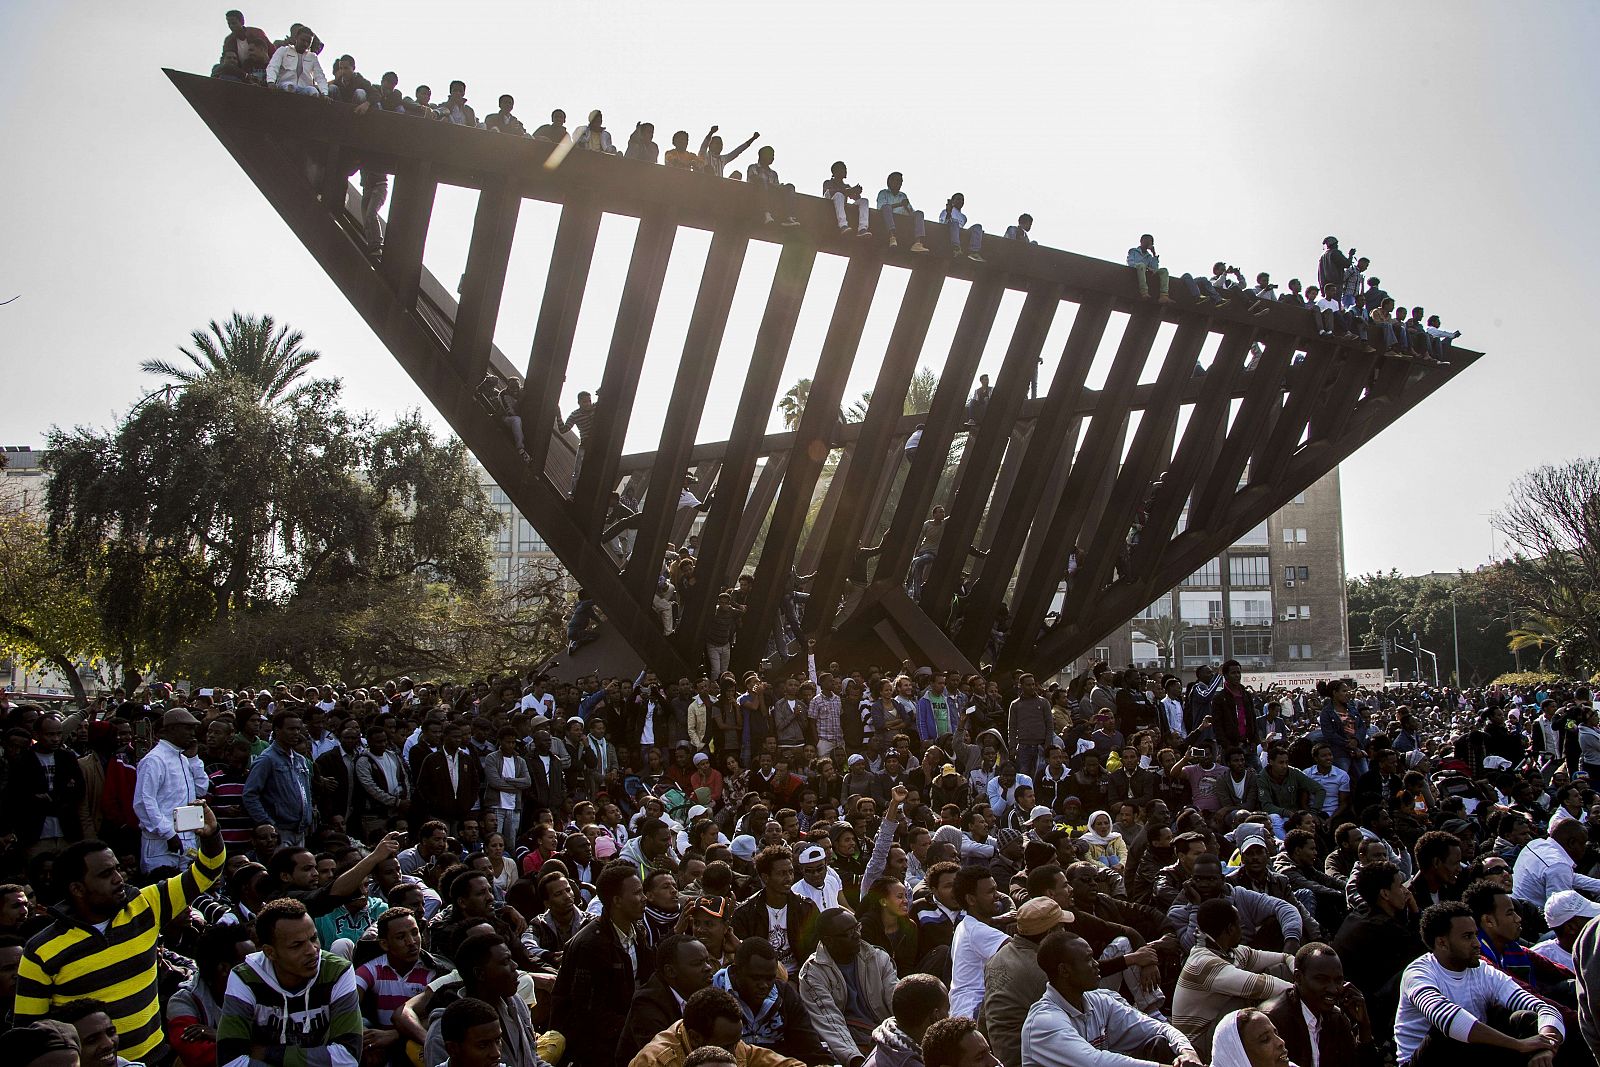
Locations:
(848, 985)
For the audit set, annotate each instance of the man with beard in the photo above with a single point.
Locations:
(1446, 996)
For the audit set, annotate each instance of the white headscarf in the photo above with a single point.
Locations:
(1227, 1044)
(1095, 839)
(1227, 1047)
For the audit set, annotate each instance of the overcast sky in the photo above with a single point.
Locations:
(1452, 142)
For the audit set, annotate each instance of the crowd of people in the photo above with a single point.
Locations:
(948, 872)
(824, 863)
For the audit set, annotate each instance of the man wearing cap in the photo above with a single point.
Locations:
(1075, 1022)
(819, 883)
(848, 986)
(1013, 981)
(1566, 913)
(170, 776)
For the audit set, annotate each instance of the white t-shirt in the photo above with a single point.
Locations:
(778, 936)
(974, 943)
(824, 898)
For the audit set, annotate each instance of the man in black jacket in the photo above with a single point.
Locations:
(795, 937)
(683, 968)
(604, 963)
(46, 791)
(549, 789)
(1235, 711)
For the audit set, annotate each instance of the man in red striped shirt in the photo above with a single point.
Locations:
(387, 982)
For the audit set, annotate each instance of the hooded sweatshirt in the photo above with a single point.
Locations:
(892, 1048)
(316, 1026)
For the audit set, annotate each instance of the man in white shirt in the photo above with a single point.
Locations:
(1548, 865)
(295, 68)
(1078, 1024)
(1566, 913)
(1446, 995)
(168, 777)
(818, 882)
(975, 940)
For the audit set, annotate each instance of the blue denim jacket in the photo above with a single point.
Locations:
(1140, 255)
(278, 790)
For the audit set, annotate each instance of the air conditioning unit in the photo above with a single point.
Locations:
(1289, 582)
(1284, 617)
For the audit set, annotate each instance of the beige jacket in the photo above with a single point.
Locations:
(671, 1047)
(823, 988)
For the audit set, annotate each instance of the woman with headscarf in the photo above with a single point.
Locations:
(1102, 843)
(1247, 1038)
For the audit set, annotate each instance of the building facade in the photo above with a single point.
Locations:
(517, 545)
(1275, 600)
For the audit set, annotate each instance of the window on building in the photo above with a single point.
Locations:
(1252, 646)
(1294, 535)
(502, 533)
(1249, 570)
(1210, 574)
(502, 570)
(1101, 654)
(528, 539)
(1258, 537)
(1302, 574)
(1300, 497)
(1160, 608)
(1202, 647)
(498, 496)
(1250, 609)
(1305, 611)
(1200, 609)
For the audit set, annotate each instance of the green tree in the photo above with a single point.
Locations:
(47, 617)
(1466, 609)
(247, 348)
(210, 505)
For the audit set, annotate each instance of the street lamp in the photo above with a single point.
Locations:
(1455, 635)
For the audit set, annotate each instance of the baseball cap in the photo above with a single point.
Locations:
(1039, 812)
(949, 769)
(813, 854)
(1250, 843)
(698, 810)
(855, 759)
(1568, 904)
(1039, 916)
(743, 846)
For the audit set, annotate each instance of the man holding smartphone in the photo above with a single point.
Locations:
(170, 777)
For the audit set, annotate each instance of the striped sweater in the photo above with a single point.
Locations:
(317, 1026)
(72, 960)
(1213, 983)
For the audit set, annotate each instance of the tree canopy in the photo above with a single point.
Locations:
(249, 349)
(212, 511)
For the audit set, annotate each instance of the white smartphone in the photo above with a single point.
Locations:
(187, 818)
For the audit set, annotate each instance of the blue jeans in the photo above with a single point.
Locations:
(919, 227)
(1199, 286)
(974, 237)
(1027, 757)
(302, 90)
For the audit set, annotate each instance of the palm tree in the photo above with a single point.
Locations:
(792, 403)
(918, 399)
(245, 348)
(1541, 632)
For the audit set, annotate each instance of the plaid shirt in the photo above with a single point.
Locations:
(824, 711)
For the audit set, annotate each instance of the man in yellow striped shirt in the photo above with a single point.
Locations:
(102, 944)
